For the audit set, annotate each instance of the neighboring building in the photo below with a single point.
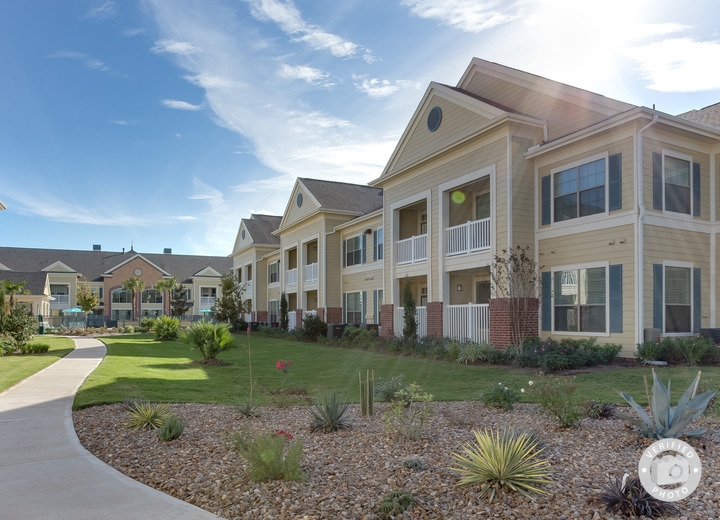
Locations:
(53, 276)
(617, 203)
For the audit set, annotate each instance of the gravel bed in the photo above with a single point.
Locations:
(350, 471)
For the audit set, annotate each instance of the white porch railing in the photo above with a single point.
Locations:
(311, 273)
(61, 301)
(411, 250)
(247, 288)
(292, 320)
(469, 237)
(469, 322)
(291, 276)
(420, 319)
(310, 313)
(248, 317)
(206, 302)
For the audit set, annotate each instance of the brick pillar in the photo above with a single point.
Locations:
(262, 315)
(503, 311)
(434, 319)
(298, 318)
(334, 315)
(321, 313)
(387, 318)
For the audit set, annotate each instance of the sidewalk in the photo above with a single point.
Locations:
(44, 471)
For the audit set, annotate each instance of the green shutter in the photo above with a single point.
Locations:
(345, 309)
(658, 301)
(615, 182)
(546, 200)
(616, 310)
(363, 247)
(697, 300)
(696, 189)
(344, 258)
(657, 180)
(375, 238)
(364, 306)
(546, 307)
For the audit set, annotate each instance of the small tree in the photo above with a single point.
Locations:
(284, 321)
(15, 320)
(136, 286)
(208, 338)
(229, 307)
(514, 275)
(166, 286)
(179, 302)
(87, 300)
(409, 323)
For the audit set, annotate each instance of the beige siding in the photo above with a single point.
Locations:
(523, 195)
(293, 214)
(594, 246)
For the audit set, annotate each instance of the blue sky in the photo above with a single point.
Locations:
(163, 123)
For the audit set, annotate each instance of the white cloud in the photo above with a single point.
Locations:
(377, 88)
(307, 74)
(290, 21)
(119, 122)
(88, 61)
(466, 15)
(679, 64)
(180, 105)
(174, 47)
(103, 10)
(211, 81)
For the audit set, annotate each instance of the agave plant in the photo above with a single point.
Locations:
(669, 422)
(329, 414)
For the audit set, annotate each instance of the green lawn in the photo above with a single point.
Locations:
(14, 369)
(139, 366)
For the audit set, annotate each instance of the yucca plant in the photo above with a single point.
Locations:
(669, 422)
(630, 499)
(146, 415)
(503, 460)
(171, 428)
(328, 414)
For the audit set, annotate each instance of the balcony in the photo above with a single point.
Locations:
(206, 302)
(468, 238)
(291, 276)
(311, 273)
(412, 250)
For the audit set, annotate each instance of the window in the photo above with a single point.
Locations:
(274, 310)
(677, 185)
(580, 296)
(274, 272)
(353, 251)
(121, 314)
(98, 291)
(482, 206)
(678, 298)
(378, 245)
(152, 296)
(423, 296)
(423, 224)
(353, 309)
(579, 191)
(177, 294)
(121, 296)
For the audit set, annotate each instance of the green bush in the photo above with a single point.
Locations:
(313, 328)
(270, 456)
(19, 324)
(34, 348)
(208, 338)
(503, 460)
(129, 329)
(500, 396)
(556, 397)
(147, 323)
(8, 345)
(166, 327)
(172, 428)
(387, 389)
(473, 352)
(674, 350)
(409, 412)
(566, 354)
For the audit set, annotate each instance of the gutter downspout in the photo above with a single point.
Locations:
(640, 235)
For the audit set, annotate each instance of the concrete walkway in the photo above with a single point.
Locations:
(44, 471)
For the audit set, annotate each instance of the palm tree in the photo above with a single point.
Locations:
(166, 285)
(136, 286)
(12, 288)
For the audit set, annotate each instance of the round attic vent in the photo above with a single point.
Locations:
(299, 200)
(243, 234)
(434, 118)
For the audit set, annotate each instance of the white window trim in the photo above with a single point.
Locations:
(686, 265)
(683, 157)
(345, 311)
(377, 247)
(573, 221)
(344, 260)
(274, 284)
(575, 267)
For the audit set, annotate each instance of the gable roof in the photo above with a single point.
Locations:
(35, 282)
(92, 264)
(261, 228)
(708, 116)
(344, 197)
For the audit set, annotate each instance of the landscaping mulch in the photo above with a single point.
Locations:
(349, 472)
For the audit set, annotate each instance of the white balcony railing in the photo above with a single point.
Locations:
(61, 298)
(311, 273)
(206, 302)
(469, 322)
(247, 289)
(469, 237)
(291, 276)
(420, 319)
(411, 250)
(310, 313)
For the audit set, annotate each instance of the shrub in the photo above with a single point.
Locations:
(502, 460)
(556, 397)
(669, 422)
(597, 410)
(500, 396)
(387, 389)
(553, 356)
(172, 428)
(166, 327)
(146, 415)
(313, 328)
(394, 504)
(8, 344)
(328, 414)
(409, 412)
(630, 499)
(34, 348)
(673, 350)
(473, 352)
(208, 338)
(147, 323)
(249, 406)
(270, 456)
(18, 324)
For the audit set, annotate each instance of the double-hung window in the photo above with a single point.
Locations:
(676, 183)
(580, 297)
(353, 307)
(579, 191)
(678, 299)
(378, 244)
(353, 251)
(274, 272)
(274, 310)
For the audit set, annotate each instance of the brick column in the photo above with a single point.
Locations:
(321, 313)
(387, 318)
(502, 313)
(334, 315)
(262, 316)
(434, 319)
(298, 318)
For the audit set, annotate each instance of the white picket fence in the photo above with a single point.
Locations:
(469, 322)
(420, 319)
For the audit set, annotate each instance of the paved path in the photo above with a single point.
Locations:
(44, 471)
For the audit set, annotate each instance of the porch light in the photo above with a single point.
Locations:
(459, 287)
